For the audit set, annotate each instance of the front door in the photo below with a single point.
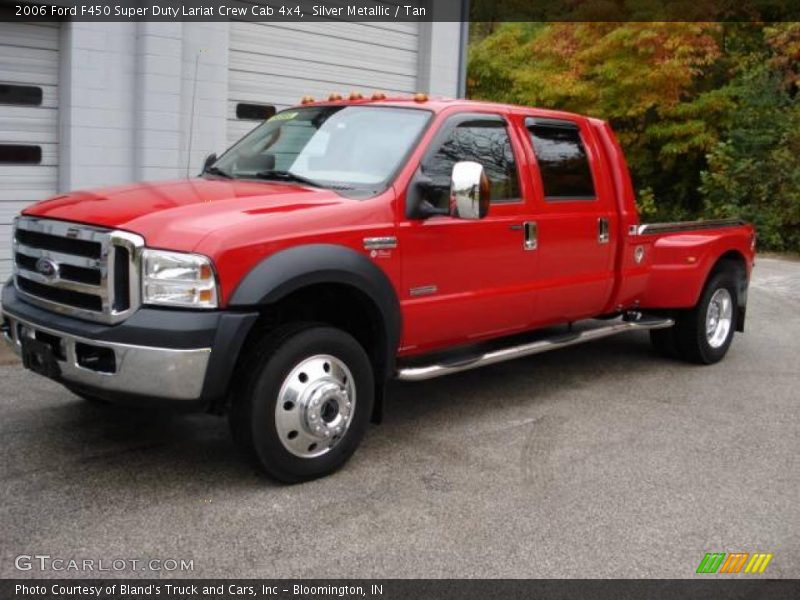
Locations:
(465, 279)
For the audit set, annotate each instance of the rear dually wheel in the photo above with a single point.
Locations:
(703, 334)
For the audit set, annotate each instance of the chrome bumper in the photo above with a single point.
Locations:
(175, 374)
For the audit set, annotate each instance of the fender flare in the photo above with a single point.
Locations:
(287, 271)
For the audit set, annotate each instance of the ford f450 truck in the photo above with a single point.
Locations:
(346, 243)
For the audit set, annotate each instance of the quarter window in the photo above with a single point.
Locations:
(563, 163)
(482, 141)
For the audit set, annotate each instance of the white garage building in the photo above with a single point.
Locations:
(93, 104)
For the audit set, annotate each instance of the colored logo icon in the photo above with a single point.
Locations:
(734, 562)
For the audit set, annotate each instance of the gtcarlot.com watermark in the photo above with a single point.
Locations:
(46, 562)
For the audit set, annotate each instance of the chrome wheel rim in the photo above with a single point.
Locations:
(315, 406)
(719, 317)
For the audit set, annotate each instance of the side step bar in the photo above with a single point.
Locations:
(561, 340)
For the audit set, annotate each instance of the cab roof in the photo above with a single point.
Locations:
(435, 104)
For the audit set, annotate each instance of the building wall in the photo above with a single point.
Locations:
(129, 90)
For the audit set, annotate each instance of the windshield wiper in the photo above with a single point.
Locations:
(218, 171)
(287, 176)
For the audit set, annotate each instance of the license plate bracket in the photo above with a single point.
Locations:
(38, 356)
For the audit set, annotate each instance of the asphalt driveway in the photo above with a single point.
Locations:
(602, 460)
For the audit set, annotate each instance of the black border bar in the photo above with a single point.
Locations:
(700, 588)
(401, 10)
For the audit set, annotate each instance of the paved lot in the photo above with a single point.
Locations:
(601, 460)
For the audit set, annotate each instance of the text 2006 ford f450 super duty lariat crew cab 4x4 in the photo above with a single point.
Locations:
(345, 243)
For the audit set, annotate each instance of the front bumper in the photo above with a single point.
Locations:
(176, 356)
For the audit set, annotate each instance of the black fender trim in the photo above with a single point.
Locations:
(290, 270)
(228, 341)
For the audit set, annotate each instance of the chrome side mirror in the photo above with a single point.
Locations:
(469, 191)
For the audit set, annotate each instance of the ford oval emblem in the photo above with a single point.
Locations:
(47, 267)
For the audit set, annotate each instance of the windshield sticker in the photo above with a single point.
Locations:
(284, 116)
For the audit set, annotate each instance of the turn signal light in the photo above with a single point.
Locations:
(334, 97)
(420, 97)
(307, 100)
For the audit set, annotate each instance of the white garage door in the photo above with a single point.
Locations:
(28, 122)
(277, 64)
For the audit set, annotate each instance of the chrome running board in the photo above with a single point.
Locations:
(560, 340)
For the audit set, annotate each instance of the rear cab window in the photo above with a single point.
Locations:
(563, 162)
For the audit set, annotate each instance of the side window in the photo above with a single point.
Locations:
(562, 159)
(482, 141)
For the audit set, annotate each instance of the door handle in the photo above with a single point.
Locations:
(603, 235)
(531, 233)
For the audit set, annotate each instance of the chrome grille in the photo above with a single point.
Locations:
(78, 270)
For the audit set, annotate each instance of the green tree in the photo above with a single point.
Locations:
(754, 173)
(676, 94)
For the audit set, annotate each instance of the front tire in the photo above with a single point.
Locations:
(704, 334)
(304, 402)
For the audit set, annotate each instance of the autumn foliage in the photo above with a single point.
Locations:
(708, 113)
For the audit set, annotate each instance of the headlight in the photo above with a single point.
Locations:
(178, 279)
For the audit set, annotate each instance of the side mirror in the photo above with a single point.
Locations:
(469, 191)
(210, 160)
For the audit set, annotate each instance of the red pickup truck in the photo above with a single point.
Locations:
(345, 243)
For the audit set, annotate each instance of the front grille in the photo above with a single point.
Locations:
(79, 270)
(46, 241)
(61, 296)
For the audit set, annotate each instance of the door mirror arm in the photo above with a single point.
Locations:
(418, 206)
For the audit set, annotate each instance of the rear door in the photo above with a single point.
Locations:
(466, 279)
(576, 220)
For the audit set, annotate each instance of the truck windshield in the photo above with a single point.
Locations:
(355, 148)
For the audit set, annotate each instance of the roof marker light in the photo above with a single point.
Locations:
(307, 100)
(356, 96)
(420, 97)
(378, 96)
(334, 97)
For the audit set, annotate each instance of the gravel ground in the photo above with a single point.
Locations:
(602, 460)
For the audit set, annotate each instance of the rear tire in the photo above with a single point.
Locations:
(704, 333)
(304, 401)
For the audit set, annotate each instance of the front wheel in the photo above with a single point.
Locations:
(304, 402)
(704, 334)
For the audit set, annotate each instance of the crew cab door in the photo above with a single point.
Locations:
(467, 279)
(576, 220)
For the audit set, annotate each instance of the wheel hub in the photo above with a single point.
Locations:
(719, 317)
(315, 406)
(326, 409)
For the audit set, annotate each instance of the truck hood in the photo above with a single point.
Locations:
(185, 210)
